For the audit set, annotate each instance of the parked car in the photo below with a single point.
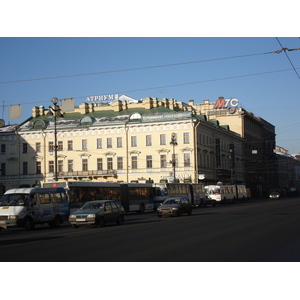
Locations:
(174, 207)
(98, 213)
(274, 195)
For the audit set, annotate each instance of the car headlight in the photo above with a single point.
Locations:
(175, 208)
(91, 216)
(72, 217)
(13, 217)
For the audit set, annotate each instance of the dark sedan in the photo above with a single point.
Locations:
(98, 213)
(174, 207)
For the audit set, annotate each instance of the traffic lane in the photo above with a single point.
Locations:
(210, 234)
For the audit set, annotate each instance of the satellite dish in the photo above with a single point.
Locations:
(2, 123)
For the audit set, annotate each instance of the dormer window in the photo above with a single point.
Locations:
(86, 121)
(39, 124)
(135, 117)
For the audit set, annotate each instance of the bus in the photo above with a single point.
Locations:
(220, 193)
(195, 192)
(134, 197)
(26, 207)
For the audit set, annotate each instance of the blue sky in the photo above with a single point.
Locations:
(273, 96)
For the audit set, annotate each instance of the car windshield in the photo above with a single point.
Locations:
(92, 205)
(171, 201)
(14, 200)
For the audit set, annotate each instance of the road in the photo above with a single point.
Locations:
(254, 231)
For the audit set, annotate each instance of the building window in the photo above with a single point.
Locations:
(51, 166)
(38, 167)
(60, 165)
(149, 161)
(51, 146)
(70, 165)
(3, 149)
(70, 145)
(148, 140)
(120, 163)
(3, 169)
(163, 161)
(187, 160)
(60, 146)
(38, 147)
(25, 147)
(109, 143)
(85, 165)
(186, 138)
(99, 164)
(99, 143)
(25, 168)
(119, 142)
(84, 145)
(133, 141)
(109, 163)
(162, 139)
(134, 162)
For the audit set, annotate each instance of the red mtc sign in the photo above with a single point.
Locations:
(229, 104)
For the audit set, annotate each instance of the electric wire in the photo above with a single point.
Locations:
(145, 67)
(285, 49)
(174, 85)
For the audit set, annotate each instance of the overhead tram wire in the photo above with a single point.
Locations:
(179, 84)
(286, 49)
(145, 68)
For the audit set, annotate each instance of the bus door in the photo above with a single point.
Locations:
(125, 196)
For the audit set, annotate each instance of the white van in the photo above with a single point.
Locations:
(26, 207)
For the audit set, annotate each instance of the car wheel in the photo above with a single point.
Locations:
(120, 220)
(190, 212)
(101, 222)
(159, 215)
(75, 226)
(28, 224)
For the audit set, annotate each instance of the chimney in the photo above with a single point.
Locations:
(84, 108)
(35, 112)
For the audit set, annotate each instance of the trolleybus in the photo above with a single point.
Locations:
(220, 193)
(195, 192)
(134, 197)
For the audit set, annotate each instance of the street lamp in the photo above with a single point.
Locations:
(173, 161)
(55, 109)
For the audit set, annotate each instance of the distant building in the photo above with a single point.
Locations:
(259, 141)
(288, 170)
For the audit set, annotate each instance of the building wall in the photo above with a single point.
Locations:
(195, 152)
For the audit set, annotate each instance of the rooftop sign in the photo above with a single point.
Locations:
(101, 98)
(226, 106)
(166, 116)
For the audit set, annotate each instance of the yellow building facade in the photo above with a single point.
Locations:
(126, 143)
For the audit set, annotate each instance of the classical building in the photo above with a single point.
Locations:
(147, 140)
(259, 141)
